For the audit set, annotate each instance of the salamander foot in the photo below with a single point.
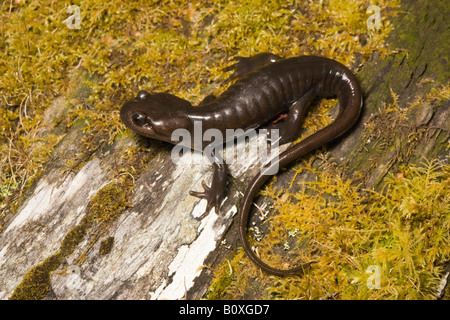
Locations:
(214, 194)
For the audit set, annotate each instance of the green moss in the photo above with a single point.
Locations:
(109, 202)
(106, 246)
(182, 47)
(121, 48)
(428, 52)
(36, 282)
(395, 134)
(105, 206)
(75, 235)
(403, 231)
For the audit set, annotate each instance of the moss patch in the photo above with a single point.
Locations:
(108, 203)
(36, 282)
(401, 232)
(182, 47)
(106, 246)
(123, 47)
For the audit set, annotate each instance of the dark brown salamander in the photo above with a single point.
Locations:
(267, 86)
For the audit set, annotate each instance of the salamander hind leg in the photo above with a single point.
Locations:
(214, 194)
(246, 65)
(289, 127)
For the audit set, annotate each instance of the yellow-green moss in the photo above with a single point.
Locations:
(105, 206)
(36, 282)
(180, 46)
(399, 130)
(403, 230)
(108, 202)
(106, 246)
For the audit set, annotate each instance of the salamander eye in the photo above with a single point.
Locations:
(139, 119)
(142, 94)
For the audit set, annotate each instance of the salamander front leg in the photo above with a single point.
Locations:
(246, 65)
(214, 194)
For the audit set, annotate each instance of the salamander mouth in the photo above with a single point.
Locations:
(148, 128)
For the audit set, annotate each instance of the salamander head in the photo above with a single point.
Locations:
(155, 115)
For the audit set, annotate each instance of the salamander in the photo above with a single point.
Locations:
(266, 86)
